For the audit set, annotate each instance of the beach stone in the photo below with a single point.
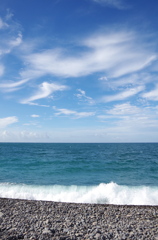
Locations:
(46, 231)
(1, 214)
(42, 220)
(97, 236)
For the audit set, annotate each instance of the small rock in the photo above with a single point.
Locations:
(1, 214)
(52, 231)
(94, 223)
(47, 231)
(97, 236)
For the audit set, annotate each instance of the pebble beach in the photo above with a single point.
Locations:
(42, 220)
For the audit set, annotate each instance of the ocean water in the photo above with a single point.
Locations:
(112, 173)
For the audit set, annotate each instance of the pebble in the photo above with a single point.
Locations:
(44, 220)
(1, 214)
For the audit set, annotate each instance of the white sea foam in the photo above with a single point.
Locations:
(110, 193)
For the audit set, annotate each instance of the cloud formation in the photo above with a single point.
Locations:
(11, 38)
(122, 95)
(45, 89)
(4, 122)
(151, 95)
(115, 54)
(35, 116)
(124, 109)
(82, 97)
(75, 114)
(3, 24)
(128, 81)
(10, 86)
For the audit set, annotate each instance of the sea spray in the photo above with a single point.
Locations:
(110, 193)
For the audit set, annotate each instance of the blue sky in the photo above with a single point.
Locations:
(79, 71)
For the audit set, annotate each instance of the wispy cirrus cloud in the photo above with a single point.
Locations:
(151, 95)
(45, 89)
(16, 41)
(115, 54)
(131, 80)
(3, 24)
(2, 68)
(10, 86)
(74, 114)
(124, 109)
(82, 97)
(122, 95)
(11, 37)
(4, 122)
(131, 120)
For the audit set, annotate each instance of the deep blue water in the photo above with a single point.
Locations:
(75, 169)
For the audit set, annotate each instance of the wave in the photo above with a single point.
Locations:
(110, 193)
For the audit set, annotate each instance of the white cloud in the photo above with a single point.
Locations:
(151, 95)
(4, 122)
(129, 130)
(83, 97)
(115, 54)
(122, 95)
(11, 37)
(131, 123)
(11, 86)
(24, 136)
(1, 69)
(75, 114)
(35, 116)
(131, 80)
(103, 78)
(3, 24)
(124, 109)
(14, 42)
(44, 90)
(139, 64)
(9, 15)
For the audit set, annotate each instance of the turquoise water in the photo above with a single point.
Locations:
(120, 173)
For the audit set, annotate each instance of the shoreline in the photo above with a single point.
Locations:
(42, 220)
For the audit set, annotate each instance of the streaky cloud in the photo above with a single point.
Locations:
(82, 97)
(11, 86)
(122, 95)
(114, 54)
(124, 109)
(151, 95)
(75, 114)
(44, 90)
(4, 122)
(3, 24)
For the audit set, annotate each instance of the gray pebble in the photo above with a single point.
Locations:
(42, 220)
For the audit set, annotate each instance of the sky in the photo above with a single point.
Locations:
(79, 71)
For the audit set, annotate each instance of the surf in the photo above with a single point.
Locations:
(104, 193)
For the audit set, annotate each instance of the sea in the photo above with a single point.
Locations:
(102, 173)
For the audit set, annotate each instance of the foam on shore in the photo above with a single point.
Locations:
(110, 193)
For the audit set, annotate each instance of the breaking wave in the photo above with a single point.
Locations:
(110, 193)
